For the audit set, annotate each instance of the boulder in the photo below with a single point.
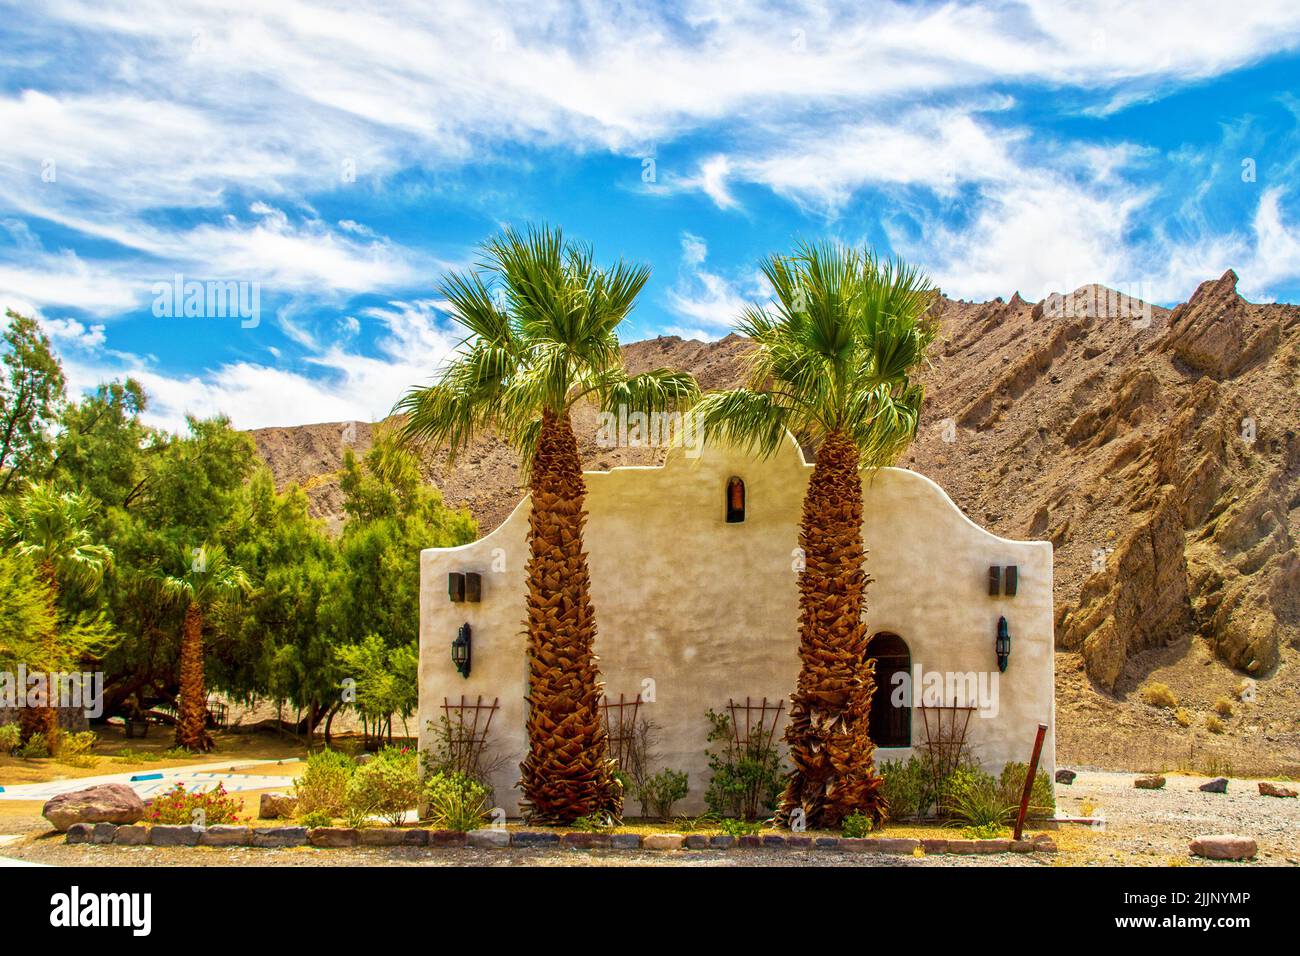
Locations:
(1153, 782)
(1267, 789)
(105, 803)
(1224, 846)
(276, 806)
(663, 841)
(174, 835)
(279, 836)
(332, 836)
(488, 837)
(224, 834)
(1217, 785)
(1065, 776)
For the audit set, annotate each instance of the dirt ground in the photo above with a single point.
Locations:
(1141, 828)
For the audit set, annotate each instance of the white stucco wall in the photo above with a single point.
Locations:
(709, 611)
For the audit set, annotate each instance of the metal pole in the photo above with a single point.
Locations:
(1029, 779)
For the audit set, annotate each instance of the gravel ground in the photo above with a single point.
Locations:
(1142, 828)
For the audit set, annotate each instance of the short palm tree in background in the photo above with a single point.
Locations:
(209, 579)
(835, 353)
(549, 341)
(52, 529)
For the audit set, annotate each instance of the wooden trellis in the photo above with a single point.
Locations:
(945, 738)
(465, 740)
(620, 727)
(756, 725)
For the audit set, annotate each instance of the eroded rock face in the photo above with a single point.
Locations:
(1215, 332)
(105, 803)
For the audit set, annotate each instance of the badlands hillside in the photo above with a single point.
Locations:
(1156, 449)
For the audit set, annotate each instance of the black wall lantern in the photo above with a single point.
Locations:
(460, 650)
(1003, 644)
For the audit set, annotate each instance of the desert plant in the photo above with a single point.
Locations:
(745, 776)
(970, 796)
(76, 749)
(835, 352)
(37, 746)
(596, 822)
(548, 343)
(734, 826)
(10, 736)
(388, 786)
(180, 806)
(315, 818)
(323, 786)
(456, 801)
(458, 749)
(908, 787)
(661, 790)
(1012, 785)
(1223, 707)
(1214, 725)
(987, 831)
(1182, 717)
(1156, 694)
(857, 825)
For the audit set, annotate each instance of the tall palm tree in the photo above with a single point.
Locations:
(548, 343)
(51, 528)
(835, 353)
(209, 578)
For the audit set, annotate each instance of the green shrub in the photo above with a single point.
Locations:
(907, 787)
(662, 790)
(38, 745)
(76, 749)
(10, 737)
(179, 806)
(1012, 785)
(316, 818)
(737, 827)
(746, 778)
(857, 825)
(387, 786)
(455, 801)
(971, 796)
(597, 822)
(323, 786)
(989, 831)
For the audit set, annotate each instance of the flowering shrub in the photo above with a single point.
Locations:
(179, 806)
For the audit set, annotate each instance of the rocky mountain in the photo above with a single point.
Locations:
(1156, 449)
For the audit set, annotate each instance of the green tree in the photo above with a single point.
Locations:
(550, 343)
(31, 392)
(51, 529)
(208, 578)
(836, 351)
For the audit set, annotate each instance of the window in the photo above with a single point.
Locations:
(735, 500)
(890, 726)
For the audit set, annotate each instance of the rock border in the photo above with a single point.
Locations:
(277, 837)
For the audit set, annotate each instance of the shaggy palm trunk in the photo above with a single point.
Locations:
(191, 725)
(44, 719)
(831, 751)
(568, 772)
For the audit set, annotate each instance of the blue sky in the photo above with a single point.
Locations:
(340, 158)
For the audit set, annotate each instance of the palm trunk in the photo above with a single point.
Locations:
(831, 751)
(568, 772)
(191, 725)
